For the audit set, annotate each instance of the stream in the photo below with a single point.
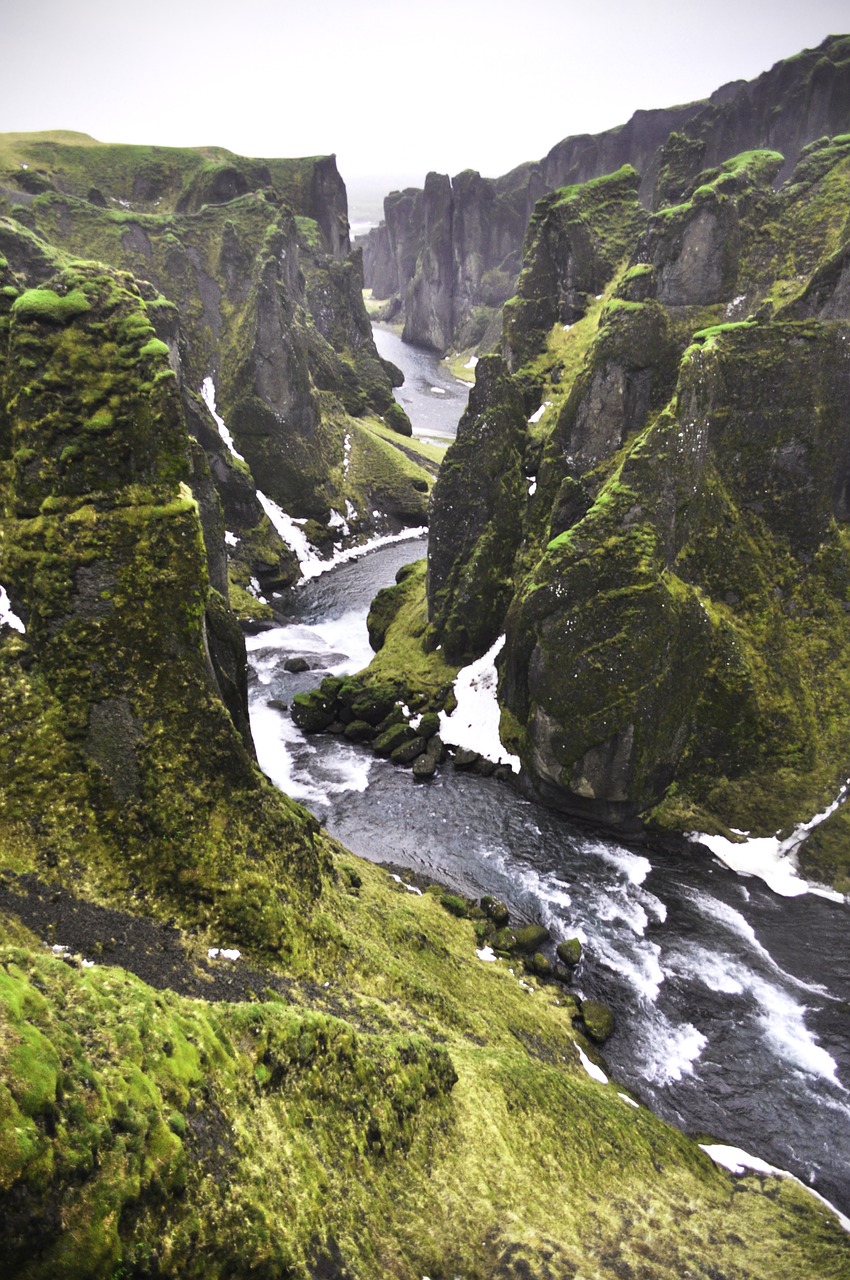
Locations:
(732, 1004)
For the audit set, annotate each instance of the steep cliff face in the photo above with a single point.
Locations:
(118, 751)
(253, 255)
(789, 106)
(477, 526)
(677, 629)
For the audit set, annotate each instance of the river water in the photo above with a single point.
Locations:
(732, 1004)
(432, 396)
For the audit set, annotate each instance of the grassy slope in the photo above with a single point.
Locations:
(277, 1132)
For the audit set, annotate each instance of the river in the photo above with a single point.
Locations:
(732, 1004)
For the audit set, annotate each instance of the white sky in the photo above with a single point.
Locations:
(391, 88)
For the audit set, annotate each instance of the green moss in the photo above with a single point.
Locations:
(154, 348)
(46, 305)
(407, 659)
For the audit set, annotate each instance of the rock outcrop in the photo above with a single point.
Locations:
(449, 255)
(124, 699)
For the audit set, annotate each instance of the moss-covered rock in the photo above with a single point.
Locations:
(530, 937)
(683, 531)
(102, 550)
(495, 910)
(312, 711)
(569, 951)
(598, 1019)
(393, 738)
(576, 238)
(253, 255)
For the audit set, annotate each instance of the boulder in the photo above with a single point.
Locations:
(598, 1019)
(296, 665)
(392, 738)
(359, 731)
(530, 937)
(496, 910)
(312, 711)
(408, 751)
(569, 952)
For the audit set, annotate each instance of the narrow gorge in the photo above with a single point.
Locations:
(359, 908)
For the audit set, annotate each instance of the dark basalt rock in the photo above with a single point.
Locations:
(424, 767)
(296, 665)
(313, 711)
(359, 731)
(495, 910)
(530, 937)
(396, 736)
(476, 517)
(408, 751)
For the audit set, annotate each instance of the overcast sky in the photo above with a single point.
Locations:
(391, 87)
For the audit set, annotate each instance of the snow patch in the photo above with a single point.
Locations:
(538, 413)
(595, 1073)
(471, 362)
(7, 617)
(231, 539)
(438, 391)
(474, 724)
(208, 394)
(411, 888)
(487, 954)
(738, 1162)
(223, 953)
(629, 1100)
(774, 860)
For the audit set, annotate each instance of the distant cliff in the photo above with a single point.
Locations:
(447, 257)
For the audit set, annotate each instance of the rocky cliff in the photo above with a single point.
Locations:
(227, 1047)
(448, 256)
(673, 576)
(253, 256)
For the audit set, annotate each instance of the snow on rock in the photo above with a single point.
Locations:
(771, 859)
(309, 560)
(474, 724)
(7, 617)
(738, 1162)
(231, 539)
(208, 393)
(438, 391)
